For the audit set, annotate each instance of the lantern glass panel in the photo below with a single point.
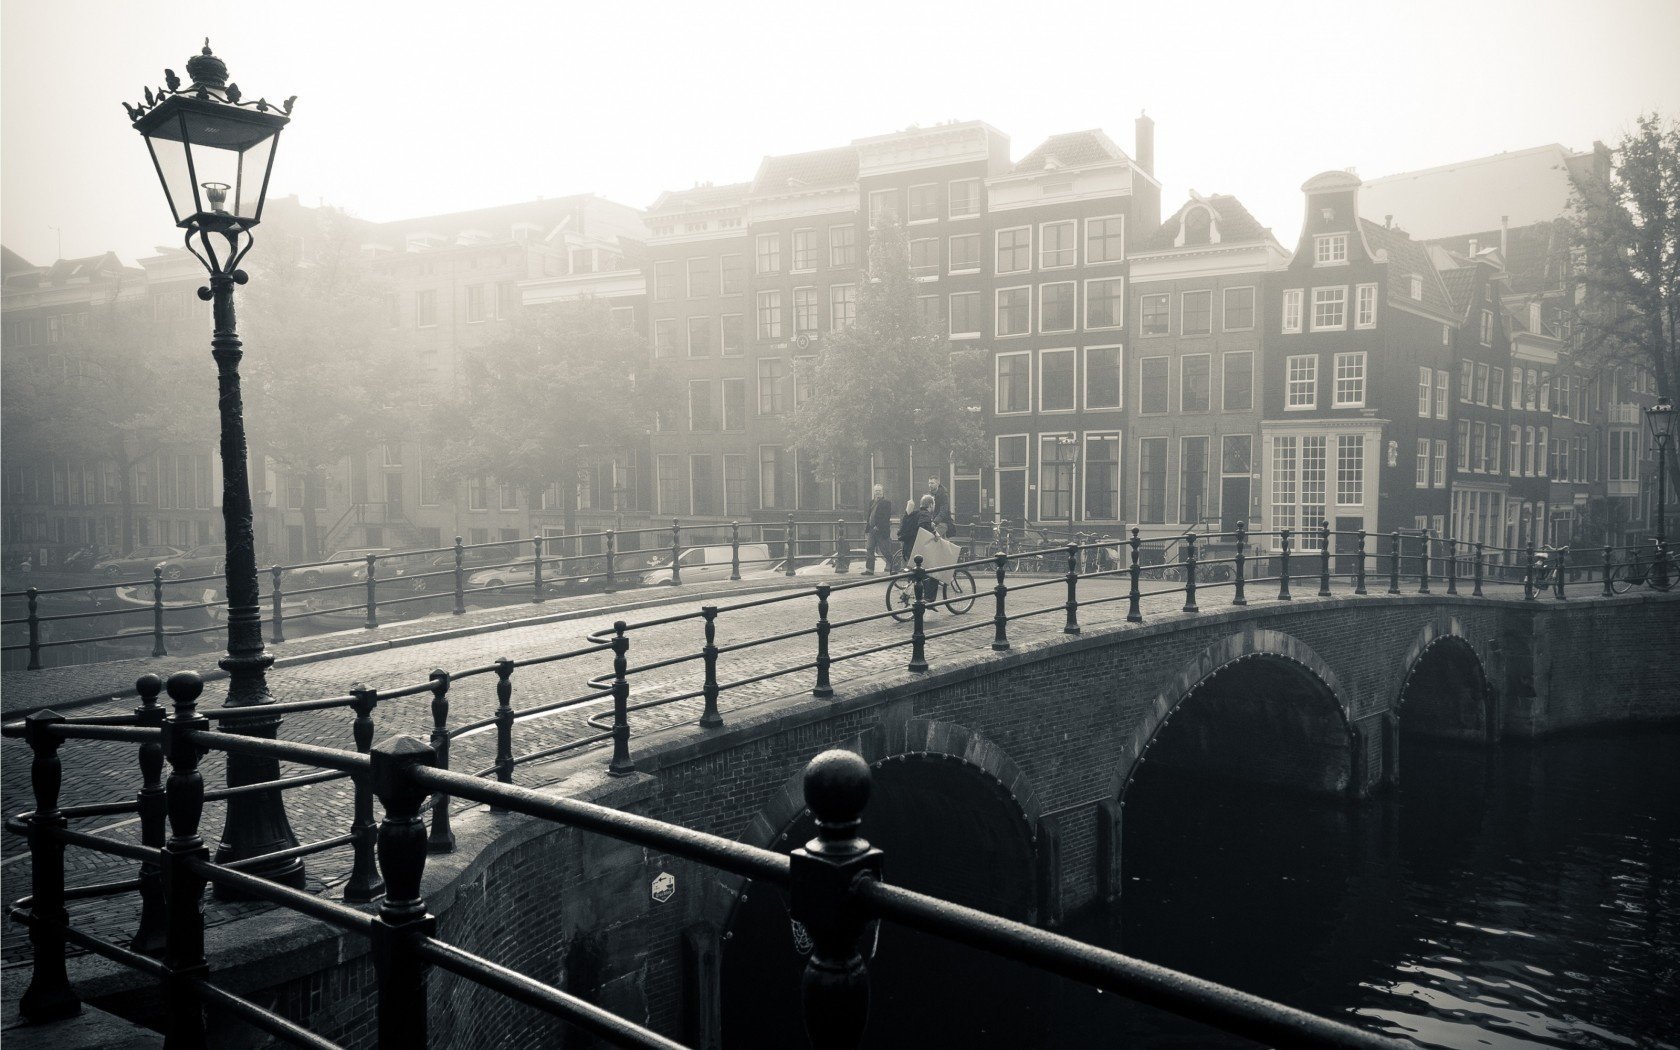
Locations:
(170, 155)
(225, 146)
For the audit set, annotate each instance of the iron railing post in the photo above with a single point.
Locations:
(460, 578)
(840, 560)
(442, 837)
(183, 953)
(792, 545)
(1562, 569)
(1452, 565)
(1000, 622)
(34, 596)
(1324, 558)
(403, 918)
(1283, 570)
(612, 561)
(1528, 574)
(1241, 559)
(1394, 564)
(622, 765)
(1134, 612)
(49, 996)
(1476, 590)
(676, 553)
(151, 803)
(1190, 573)
(1608, 592)
(157, 613)
(734, 550)
(536, 570)
(1423, 561)
(372, 596)
(1359, 565)
(504, 724)
(1072, 624)
(710, 719)
(365, 883)
(277, 629)
(918, 614)
(835, 988)
(822, 688)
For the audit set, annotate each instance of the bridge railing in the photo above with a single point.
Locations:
(833, 882)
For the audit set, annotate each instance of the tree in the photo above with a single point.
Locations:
(1626, 231)
(887, 383)
(564, 379)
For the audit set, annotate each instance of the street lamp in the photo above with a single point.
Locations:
(213, 152)
(1071, 441)
(1660, 418)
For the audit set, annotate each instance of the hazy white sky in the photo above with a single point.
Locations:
(424, 107)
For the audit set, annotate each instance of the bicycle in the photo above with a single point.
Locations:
(1629, 574)
(956, 597)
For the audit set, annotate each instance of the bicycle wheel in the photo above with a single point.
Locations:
(1620, 580)
(901, 598)
(960, 598)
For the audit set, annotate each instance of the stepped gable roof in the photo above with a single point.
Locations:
(1237, 224)
(1069, 150)
(793, 172)
(1406, 256)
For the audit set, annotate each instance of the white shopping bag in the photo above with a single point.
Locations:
(936, 553)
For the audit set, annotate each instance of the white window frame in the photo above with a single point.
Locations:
(1168, 410)
(1440, 471)
(951, 200)
(1363, 453)
(1253, 307)
(793, 250)
(997, 311)
(759, 253)
(1084, 473)
(1423, 461)
(1426, 391)
(1120, 379)
(1313, 319)
(870, 209)
(1043, 241)
(1347, 356)
(997, 236)
(741, 347)
(908, 221)
(1037, 491)
(832, 302)
(1181, 362)
(1289, 382)
(924, 272)
(1293, 300)
(997, 386)
(1141, 314)
(1223, 357)
(1330, 249)
(1443, 391)
(1365, 306)
(1120, 322)
(1073, 400)
(1186, 294)
(1074, 326)
(1486, 330)
(688, 335)
(1085, 240)
(1025, 469)
(1417, 288)
(951, 256)
(951, 315)
(832, 245)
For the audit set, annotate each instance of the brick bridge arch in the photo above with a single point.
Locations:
(1258, 644)
(1443, 680)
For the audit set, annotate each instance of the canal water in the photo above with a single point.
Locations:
(1524, 896)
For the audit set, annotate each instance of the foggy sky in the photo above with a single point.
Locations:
(421, 108)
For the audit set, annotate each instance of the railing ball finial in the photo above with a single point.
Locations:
(837, 787)
(184, 688)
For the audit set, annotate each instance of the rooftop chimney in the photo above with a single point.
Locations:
(1145, 144)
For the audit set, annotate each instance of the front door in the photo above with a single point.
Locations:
(1233, 501)
(394, 493)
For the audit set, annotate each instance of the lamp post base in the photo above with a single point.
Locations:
(256, 822)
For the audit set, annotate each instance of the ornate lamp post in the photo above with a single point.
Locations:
(1660, 418)
(1067, 441)
(213, 152)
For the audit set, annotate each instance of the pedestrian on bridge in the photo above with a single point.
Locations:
(878, 532)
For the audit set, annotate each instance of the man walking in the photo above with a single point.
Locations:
(878, 532)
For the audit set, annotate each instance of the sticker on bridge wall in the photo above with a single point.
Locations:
(664, 886)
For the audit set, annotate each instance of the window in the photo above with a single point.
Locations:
(1192, 479)
(1014, 383)
(1329, 309)
(1105, 304)
(1365, 306)
(842, 246)
(1058, 245)
(1056, 455)
(732, 275)
(733, 335)
(1011, 456)
(1350, 380)
(700, 337)
(769, 475)
(1416, 287)
(927, 309)
(1102, 377)
(1350, 470)
(1426, 382)
(770, 315)
(1237, 388)
(772, 382)
(425, 308)
(1330, 249)
(700, 402)
(1292, 310)
(1487, 328)
(1545, 391)
(1302, 385)
(1153, 310)
(1195, 313)
(965, 253)
(1014, 311)
(702, 485)
(1515, 451)
(1153, 385)
(1466, 381)
(1478, 447)
(665, 337)
(734, 485)
(804, 378)
(1423, 463)
(1440, 464)
(965, 198)
(1102, 477)
(476, 497)
(769, 253)
(1152, 480)
(1014, 250)
(1442, 380)
(475, 304)
(1495, 442)
(1481, 384)
(965, 314)
(804, 311)
(1195, 382)
(1463, 433)
(881, 204)
(1516, 388)
(1056, 307)
(1531, 380)
(1540, 457)
(804, 250)
(665, 280)
(924, 257)
(924, 203)
(1055, 381)
(1238, 312)
(1285, 475)
(700, 281)
(1528, 452)
(669, 487)
(842, 306)
(734, 403)
(1105, 240)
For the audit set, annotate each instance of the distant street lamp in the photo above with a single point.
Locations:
(1660, 418)
(213, 152)
(1071, 441)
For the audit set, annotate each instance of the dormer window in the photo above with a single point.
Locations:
(1198, 227)
(1329, 249)
(1417, 287)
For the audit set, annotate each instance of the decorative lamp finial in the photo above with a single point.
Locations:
(206, 70)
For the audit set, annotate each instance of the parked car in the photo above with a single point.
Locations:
(519, 575)
(712, 562)
(856, 559)
(83, 559)
(207, 559)
(426, 567)
(345, 566)
(136, 565)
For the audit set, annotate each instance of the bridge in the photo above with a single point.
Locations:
(1001, 750)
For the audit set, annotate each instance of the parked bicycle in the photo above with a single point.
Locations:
(1637, 572)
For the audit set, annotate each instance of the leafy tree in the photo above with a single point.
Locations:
(888, 384)
(564, 379)
(1627, 235)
